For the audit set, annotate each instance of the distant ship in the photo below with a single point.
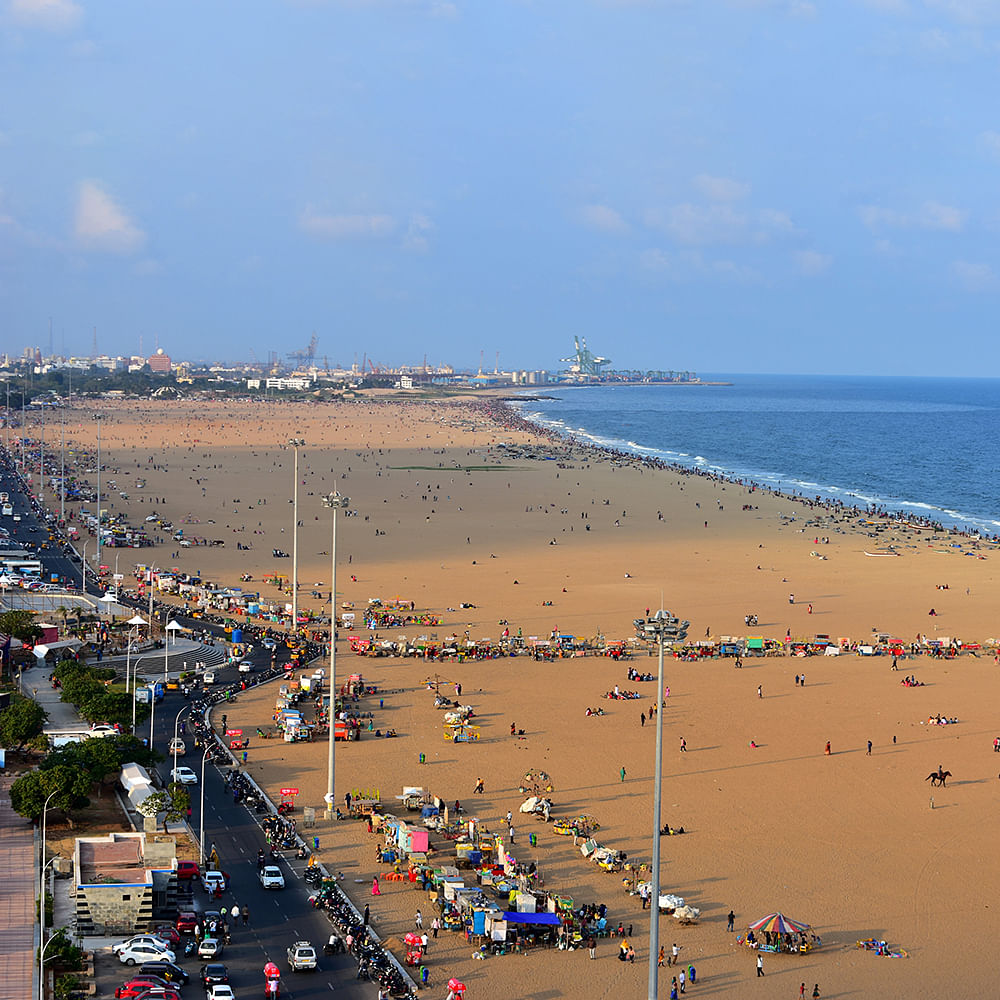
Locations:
(587, 367)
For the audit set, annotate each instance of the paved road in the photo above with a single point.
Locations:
(18, 891)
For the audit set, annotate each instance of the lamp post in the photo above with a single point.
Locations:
(135, 688)
(296, 443)
(41, 900)
(173, 755)
(663, 626)
(201, 810)
(98, 417)
(62, 466)
(83, 571)
(134, 622)
(170, 626)
(334, 501)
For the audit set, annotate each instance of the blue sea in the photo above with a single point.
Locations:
(926, 447)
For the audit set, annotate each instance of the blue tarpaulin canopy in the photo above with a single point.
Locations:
(531, 918)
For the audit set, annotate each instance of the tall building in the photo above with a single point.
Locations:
(159, 363)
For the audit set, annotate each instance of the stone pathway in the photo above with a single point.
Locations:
(18, 881)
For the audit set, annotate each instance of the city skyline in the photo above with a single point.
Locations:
(777, 186)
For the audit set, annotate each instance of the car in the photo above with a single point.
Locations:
(165, 970)
(104, 729)
(211, 880)
(150, 939)
(221, 991)
(214, 972)
(302, 956)
(168, 933)
(184, 775)
(139, 985)
(188, 870)
(186, 922)
(139, 954)
(177, 747)
(269, 644)
(160, 993)
(246, 667)
(271, 877)
(210, 948)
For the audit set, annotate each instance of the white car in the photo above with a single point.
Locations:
(220, 991)
(184, 775)
(102, 730)
(211, 880)
(150, 939)
(210, 948)
(246, 667)
(138, 954)
(271, 877)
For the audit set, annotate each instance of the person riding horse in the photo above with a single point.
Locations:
(938, 777)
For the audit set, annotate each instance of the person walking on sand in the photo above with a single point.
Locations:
(730, 920)
(684, 745)
(642, 718)
(419, 920)
(869, 753)
(622, 772)
(760, 690)
(681, 980)
(827, 751)
(816, 991)
(802, 991)
(760, 965)
(592, 946)
(478, 790)
(674, 952)
(660, 957)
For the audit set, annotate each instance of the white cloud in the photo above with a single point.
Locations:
(811, 262)
(991, 141)
(656, 260)
(721, 188)
(974, 277)
(415, 237)
(50, 15)
(721, 223)
(602, 218)
(101, 224)
(931, 215)
(346, 227)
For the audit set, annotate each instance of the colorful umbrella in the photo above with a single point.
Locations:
(778, 923)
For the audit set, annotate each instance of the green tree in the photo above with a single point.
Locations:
(103, 705)
(29, 792)
(20, 721)
(21, 625)
(173, 802)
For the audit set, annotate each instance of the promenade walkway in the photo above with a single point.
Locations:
(18, 879)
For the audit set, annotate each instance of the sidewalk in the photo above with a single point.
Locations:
(17, 900)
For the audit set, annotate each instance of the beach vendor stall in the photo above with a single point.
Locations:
(779, 934)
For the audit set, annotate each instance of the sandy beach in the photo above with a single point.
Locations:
(856, 845)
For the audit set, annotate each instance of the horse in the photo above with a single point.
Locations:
(938, 778)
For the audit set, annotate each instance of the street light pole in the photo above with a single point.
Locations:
(296, 443)
(201, 810)
(62, 467)
(334, 501)
(41, 901)
(663, 626)
(135, 687)
(97, 417)
(173, 755)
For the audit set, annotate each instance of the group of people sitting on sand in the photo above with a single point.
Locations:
(911, 682)
(594, 711)
(618, 695)
(635, 675)
(940, 720)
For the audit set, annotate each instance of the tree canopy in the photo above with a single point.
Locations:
(20, 722)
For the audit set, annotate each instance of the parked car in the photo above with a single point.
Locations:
(165, 970)
(211, 880)
(302, 955)
(167, 933)
(186, 921)
(188, 869)
(184, 775)
(214, 972)
(271, 877)
(150, 939)
(210, 948)
(139, 985)
(138, 954)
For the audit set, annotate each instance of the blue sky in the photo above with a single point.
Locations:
(716, 185)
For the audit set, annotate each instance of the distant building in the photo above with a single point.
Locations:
(291, 382)
(159, 363)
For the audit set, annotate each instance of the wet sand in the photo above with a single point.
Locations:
(847, 842)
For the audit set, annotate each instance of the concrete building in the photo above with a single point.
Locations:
(124, 882)
(159, 363)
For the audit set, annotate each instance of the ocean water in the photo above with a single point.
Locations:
(927, 447)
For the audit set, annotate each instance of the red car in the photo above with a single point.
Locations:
(188, 870)
(136, 987)
(167, 933)
(186, 922)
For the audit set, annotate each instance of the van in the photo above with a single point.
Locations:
(7, 510)
(208, 677)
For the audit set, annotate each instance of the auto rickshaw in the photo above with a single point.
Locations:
(272, 981)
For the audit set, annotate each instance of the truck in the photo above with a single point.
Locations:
(150, 693)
